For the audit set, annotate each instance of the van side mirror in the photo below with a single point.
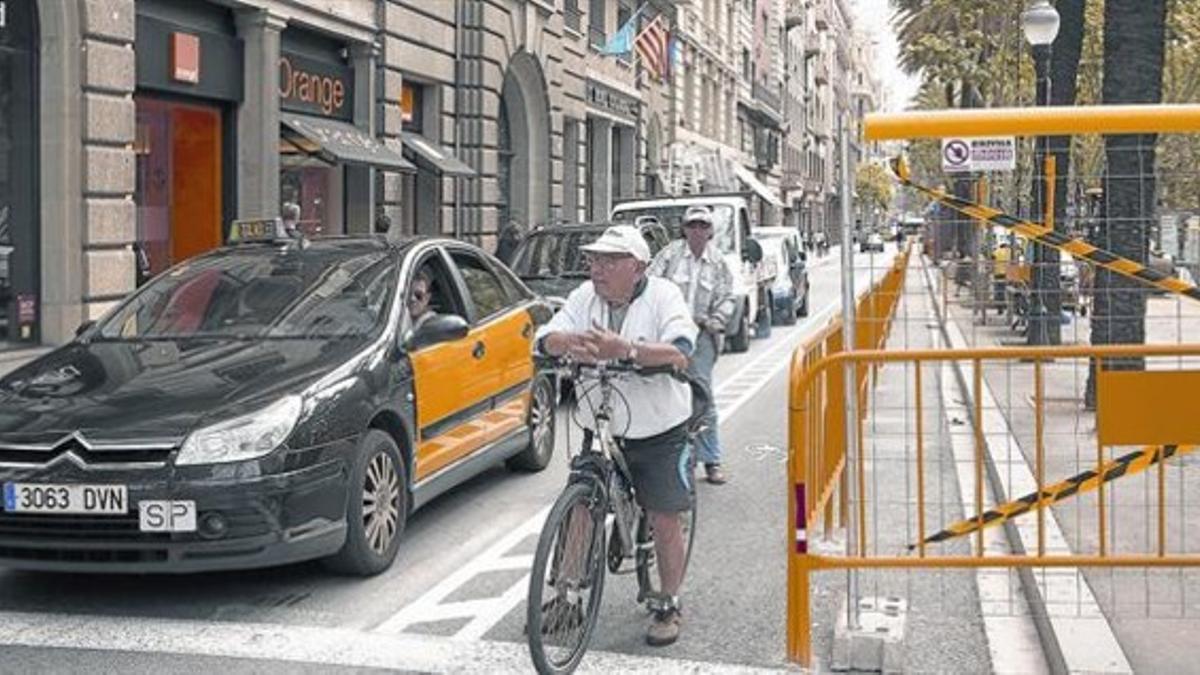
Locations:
(752, 251)
(438, 329)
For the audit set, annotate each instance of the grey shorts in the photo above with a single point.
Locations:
(662, 470)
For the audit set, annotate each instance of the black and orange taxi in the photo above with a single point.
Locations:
(277, 400)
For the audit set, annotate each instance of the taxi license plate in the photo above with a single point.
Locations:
(78, 499)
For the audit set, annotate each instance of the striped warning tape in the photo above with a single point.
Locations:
(1126, 465)
(1044, 235)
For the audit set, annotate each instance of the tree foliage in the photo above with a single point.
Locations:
(874, 186)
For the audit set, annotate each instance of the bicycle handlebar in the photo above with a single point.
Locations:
(701, 396)
(568, 364)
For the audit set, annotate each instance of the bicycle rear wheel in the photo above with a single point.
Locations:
(567, 580)
(648, 580)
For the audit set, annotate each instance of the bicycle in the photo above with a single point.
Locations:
(596, 524)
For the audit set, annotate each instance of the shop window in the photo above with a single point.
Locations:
(412, 106)
(20, 253)
(179, 182)
(311, 183)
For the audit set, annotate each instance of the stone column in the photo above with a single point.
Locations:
(626, 149)
(599, 168)
(258, 117)
(360, 180)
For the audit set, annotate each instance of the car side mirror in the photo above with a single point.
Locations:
(84, 327)
(438, 329)
(752, 251)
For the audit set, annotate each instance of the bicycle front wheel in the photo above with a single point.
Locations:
(567, 580)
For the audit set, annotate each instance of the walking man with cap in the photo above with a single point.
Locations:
(698, 268)
(621, 314)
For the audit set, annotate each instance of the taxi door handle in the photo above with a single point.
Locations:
(527, 331)
(479, 350)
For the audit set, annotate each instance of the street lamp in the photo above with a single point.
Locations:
(1039, 22)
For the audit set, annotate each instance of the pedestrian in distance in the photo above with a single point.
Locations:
(510, 238)
(290, 214)
(697, 267)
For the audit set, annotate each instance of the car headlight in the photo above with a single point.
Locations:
(241, 438)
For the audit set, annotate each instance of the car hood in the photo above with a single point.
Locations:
(121, 390)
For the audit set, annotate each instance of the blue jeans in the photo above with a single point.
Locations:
(708, 446)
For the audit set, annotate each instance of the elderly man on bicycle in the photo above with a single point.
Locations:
(622, 314)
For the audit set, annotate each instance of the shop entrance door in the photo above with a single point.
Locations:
(179, 181)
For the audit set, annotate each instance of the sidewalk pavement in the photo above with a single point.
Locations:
(1151, 612)
(943, 628)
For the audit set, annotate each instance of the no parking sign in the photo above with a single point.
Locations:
(994, 153)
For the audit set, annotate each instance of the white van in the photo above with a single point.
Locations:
(752, 277)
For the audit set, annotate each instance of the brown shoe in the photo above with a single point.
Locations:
(664, 630)
(714, 474)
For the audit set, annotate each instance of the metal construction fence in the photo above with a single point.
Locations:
(976, 471)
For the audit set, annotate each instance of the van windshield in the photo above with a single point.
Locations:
(671, 216)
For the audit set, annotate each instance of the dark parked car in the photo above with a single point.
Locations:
(789, 292)
(270, 402)
(549, 260)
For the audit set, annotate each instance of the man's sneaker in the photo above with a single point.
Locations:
(664, 629)
(714, 474)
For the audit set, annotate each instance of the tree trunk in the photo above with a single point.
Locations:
(1134, 32)
(1064, 70)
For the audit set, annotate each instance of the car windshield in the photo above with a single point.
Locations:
(671, 216)
(772, 246)
(554, 254)
(293, 293)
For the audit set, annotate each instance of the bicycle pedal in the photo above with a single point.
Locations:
(623, 570)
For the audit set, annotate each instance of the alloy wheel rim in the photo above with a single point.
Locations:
(381, 503)
(542, 418)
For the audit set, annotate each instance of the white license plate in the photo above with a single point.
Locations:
(78, 499)
(167, 515)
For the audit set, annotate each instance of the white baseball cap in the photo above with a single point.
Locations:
(621, 239)
(698, 214)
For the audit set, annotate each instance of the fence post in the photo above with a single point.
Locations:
(799, 609)
(851, 376)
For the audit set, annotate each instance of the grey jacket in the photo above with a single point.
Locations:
(707, 283)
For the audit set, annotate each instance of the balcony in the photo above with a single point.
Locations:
(821, 16)
(793, 14)
(821, 74)
(768, 95)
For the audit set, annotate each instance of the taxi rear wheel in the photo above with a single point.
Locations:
(537, 455)
(376, 507)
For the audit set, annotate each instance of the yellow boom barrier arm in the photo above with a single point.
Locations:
(1048, 237)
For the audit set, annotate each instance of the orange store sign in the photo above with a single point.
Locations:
(315, 87)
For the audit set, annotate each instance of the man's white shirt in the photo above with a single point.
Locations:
(660, 314)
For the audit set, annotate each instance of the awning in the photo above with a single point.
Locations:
(433, 155)
(344, 142)
(759, 188)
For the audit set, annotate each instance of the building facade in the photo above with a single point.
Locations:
(138, 130)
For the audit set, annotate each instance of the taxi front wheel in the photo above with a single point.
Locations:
(376, 507)
(537, 455)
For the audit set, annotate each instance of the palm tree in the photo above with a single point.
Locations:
(1134, 43)
(1064, 70)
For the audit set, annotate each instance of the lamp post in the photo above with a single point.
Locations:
(1039, 22)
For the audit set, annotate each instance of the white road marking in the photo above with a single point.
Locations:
(483, 613)
(308, 644)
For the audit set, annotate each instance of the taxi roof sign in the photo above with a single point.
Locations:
(257, 230)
